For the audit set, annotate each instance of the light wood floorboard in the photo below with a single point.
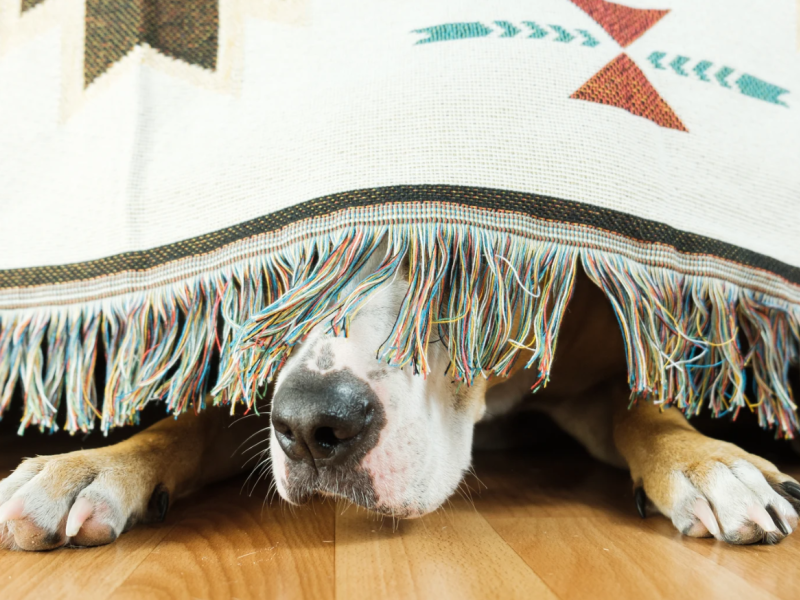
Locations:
(533, 526)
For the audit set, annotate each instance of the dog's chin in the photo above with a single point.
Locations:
(400, 512)
(300, 497)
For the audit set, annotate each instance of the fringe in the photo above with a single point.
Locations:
(490, 297)
(683, 343)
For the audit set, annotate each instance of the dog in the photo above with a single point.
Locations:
(346, 425)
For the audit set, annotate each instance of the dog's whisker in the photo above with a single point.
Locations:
(264, 472)
(257, 456)
(256, 445)
(252, 472)
(240, 419)
(267, 428)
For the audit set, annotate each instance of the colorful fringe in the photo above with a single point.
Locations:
(683, 334)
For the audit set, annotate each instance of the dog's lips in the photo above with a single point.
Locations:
(365, 498)
(302, 481)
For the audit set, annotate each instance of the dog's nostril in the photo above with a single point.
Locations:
(328, 437)
(283, 429)
(325, 437)
(326, 418)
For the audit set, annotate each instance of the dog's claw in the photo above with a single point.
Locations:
(159, 503)
(778, 520)
(641, 501)
(791, 488)
(78, 514)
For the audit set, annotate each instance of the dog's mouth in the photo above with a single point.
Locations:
(351, 484)
(354, 484)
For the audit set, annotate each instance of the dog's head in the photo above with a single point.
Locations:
(346, 424)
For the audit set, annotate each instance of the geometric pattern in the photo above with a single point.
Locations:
(528, 29)
(749, 85)
(28, 4)
(181, 29)
(623, 23)
(184, 30)
(621, 83)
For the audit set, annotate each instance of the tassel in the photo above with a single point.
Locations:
(492, 299)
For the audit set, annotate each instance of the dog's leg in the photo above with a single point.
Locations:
(706, 486)
(89, 497)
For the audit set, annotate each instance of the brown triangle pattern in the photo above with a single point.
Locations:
(622, 84)
(623, 23)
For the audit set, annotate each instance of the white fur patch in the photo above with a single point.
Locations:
(727, 503)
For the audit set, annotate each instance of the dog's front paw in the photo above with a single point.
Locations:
(717, 489)
(85, 498)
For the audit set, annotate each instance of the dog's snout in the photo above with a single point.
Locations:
(323, 418)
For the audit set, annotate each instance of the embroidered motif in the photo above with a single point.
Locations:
(623, 23)
(722, 74)
(622, 84)
(747, 84)
(655, 59)
(186, 31)
(460, 31)
(677, 65)
(701, 68)
(29, 4)
(538, 32)
(756, 88)
(590, 40)
(563, 35)
(510, 29)
(453, 31)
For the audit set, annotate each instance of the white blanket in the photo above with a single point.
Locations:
(187, 182)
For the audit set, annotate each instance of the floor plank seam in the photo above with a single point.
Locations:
(144, 558)
(514, 550)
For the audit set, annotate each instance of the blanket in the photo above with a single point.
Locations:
(187, 188)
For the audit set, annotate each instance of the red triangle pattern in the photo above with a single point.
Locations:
(623, 23)
(622, 84)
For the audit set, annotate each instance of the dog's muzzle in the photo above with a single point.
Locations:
(325, 424)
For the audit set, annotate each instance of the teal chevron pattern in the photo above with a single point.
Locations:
(563, 35)
(453, 31)
(589, 39)
(701, 68)
(722, 75)
(510, 29)
(677, 65)
(705, 70)
(655, 58)
(757, 88)
(537, 31)
(506, 29)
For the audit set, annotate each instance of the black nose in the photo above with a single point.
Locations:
(324, 419)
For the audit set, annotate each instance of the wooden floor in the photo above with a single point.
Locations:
(538, 527)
